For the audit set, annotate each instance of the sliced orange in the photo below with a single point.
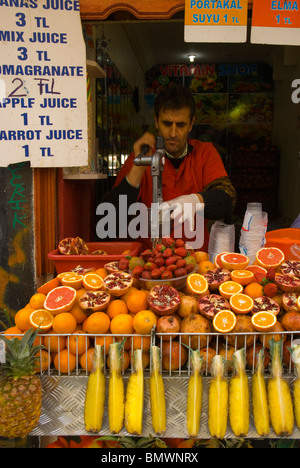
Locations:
(241, 303)
(228, 288)
(60, 276)
(256, 269)
(268, 257)
(92, 282)
(243, 277)
(197, 284)
(263, 320)
(74, 280)
(42, 319)
(234, 261)
(298, 302)
(224, 321)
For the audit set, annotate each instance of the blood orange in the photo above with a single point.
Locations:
(60, 299)
(234, 261)
(268, 257)
(217, 260)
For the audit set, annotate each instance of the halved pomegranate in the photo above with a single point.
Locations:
(163, 299)
(286, 283)
(210, 305)
(64, 246)
(94, 300)
(289, 302)
(265, 303)
(216, 277)
(79, 247)
(291, 268)
(117, 283)
(112, 266)
(81, 270)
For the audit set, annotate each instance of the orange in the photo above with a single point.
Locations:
(64, 323)
(243, 277)
(137, 301)
(104, 341)
(205, 266)
(141, 342)
(126, 296)
(54, 343)
(298, 302)
(47, 287)
(60, 299)
(92, 282)
(117, 306)
(42, 319)
(78, 343)
(144, 321)
(37, 301)
(43, 360)
(64, 361)
(22, 318)
(224, 321)
(14, 331)
(101, 272)
(228, 288)
(254, 290)
(268, 257)
(263, 321)
(201, 256)
(256, 269)
(79, 293)
(86, 359)
(241, 303)
(79, 314)
(97, 322)
(122, 324)
(197, 284)
(74, 280)
(234, 261)
(217, 260)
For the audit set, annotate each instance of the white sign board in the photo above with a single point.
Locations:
(43, 93)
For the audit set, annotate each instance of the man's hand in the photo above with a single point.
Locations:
(184, 208)
(135, 174)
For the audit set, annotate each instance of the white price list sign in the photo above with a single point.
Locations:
(43, 86)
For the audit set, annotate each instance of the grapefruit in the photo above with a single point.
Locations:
(268, 257)
(60, 299)
(234, 261)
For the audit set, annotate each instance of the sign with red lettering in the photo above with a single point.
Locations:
(43, 96)
(216, 20)
(276, 22)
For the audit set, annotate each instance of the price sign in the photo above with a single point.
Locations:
(216, 20)
(43, 96)
(276, 22)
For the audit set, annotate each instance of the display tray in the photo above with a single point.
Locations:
(115, 251)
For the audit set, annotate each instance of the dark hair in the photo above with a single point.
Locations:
(174, 96)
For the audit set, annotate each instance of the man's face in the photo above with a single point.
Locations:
(174, 126)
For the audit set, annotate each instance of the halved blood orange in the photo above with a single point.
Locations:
(243, 277)
(217, 260)
(241, 303)
(224, 321)
(268, 257)
(197, 284)
(60, 299)
(256, 269)
(228, 288)
(263, 320)
(42, 319)
(234, 261)
(73, 279)
(92, 282)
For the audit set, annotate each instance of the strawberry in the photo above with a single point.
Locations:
(179, 243)
(271, 274)
(166, 274)
(270, 289)
(167, 252)
(181, 251)
(168, 241)
(137, 271)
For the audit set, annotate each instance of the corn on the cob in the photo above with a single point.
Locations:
(194, 398)
(116, 403)
(279, 395)
(95, 394)
(157, 393)
(259, 398)
(218, 398)
(239, 411)
(134, 403)
(296, 386)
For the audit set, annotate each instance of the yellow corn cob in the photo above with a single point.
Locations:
(296, 387)
(239, 396)
(115, 389)
(157, 393)
(279, 395)
(194, 398)
(259, 398)
(218, 399)
(95, 394)
(134, 403)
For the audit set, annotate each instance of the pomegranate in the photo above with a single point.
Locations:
(117, 283)
(286, 283)
(112, 266)
(94, 300)
(289, 302)
(80, 270)
(196, 329)
(216, 277)
(291, 268)
(211, 304)
(79, 247)
(265, 303)
(64, 246)
(163, 299)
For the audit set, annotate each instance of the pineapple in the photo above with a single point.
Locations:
(194, 399)
(279, 395)
(134, 403)
(20, 387)
(239, 411)
(259, 398)
(157, 393)
(218, 399)
(296, 387)
(116, 392)
(95, 394)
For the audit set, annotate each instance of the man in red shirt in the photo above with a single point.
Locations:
(193, 171)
